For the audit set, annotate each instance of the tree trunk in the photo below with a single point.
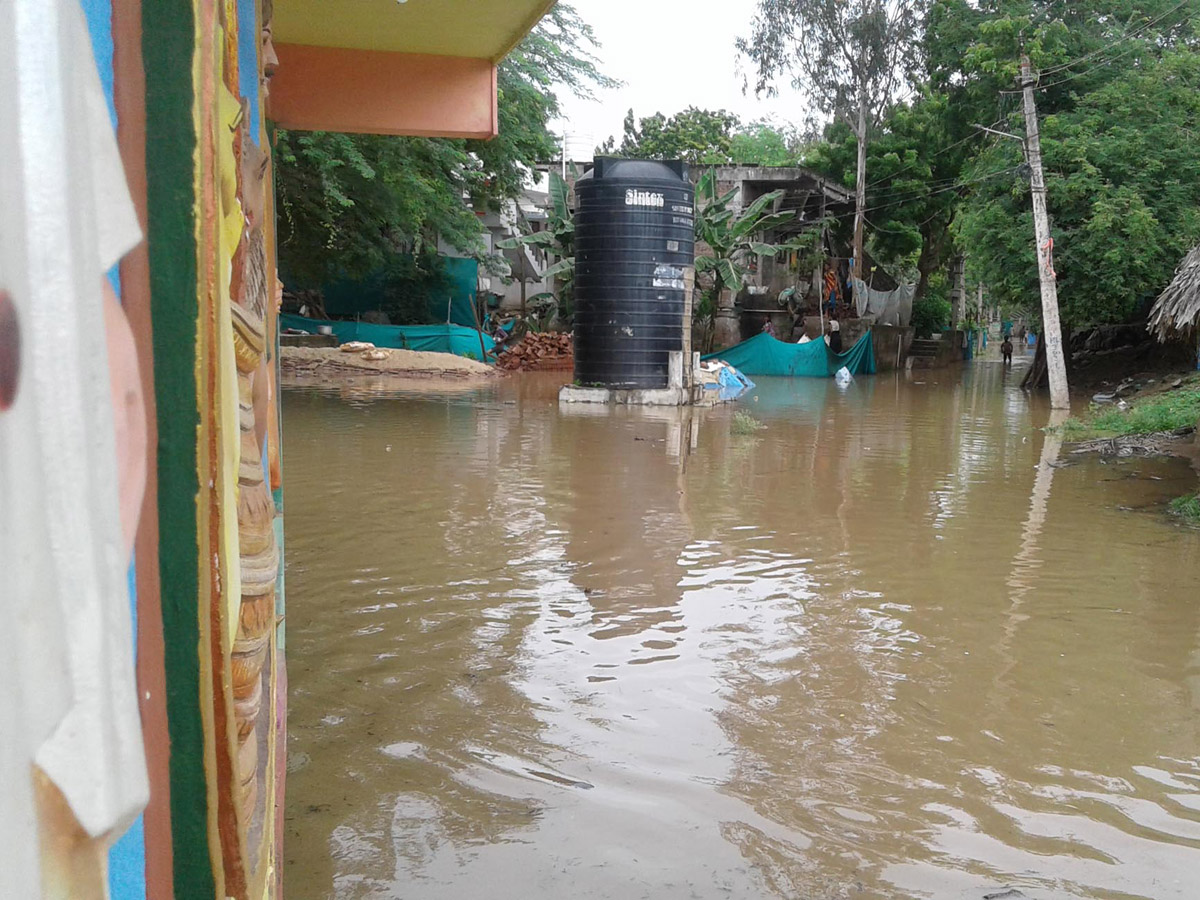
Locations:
(922, 285)
(727, 330)
(1035, 378)
(926, 263)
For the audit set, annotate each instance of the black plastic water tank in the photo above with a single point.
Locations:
(634, 242)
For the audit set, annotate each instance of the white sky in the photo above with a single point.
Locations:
(671, 54)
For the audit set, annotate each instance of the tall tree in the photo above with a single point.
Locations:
(854, 56)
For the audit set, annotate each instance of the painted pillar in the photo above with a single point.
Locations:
(212, 276)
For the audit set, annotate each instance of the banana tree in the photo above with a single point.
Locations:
(731, 236)
(556, 240)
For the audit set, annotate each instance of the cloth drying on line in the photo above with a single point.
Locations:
(888, 307)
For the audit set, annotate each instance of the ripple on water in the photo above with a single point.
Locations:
(879, 650)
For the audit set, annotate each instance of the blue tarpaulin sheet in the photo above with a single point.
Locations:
(764, 354)
(430, 338)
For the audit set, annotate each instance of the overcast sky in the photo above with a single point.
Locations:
(671, 54)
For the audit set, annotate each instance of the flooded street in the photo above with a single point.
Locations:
(874, 650)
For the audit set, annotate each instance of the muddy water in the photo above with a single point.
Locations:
(879, 649)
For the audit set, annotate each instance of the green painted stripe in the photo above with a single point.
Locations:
(168, 46)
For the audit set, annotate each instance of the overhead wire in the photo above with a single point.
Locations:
(934, 155)
(951, 187)
(1124, 37)
(1099, 52)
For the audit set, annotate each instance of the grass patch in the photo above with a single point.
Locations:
(743, 423)
(1163, 411)
(1187, 507)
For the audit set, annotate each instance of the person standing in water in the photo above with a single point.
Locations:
(835, 335)
(1006, 350)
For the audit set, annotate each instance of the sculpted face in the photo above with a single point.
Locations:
(270, 61)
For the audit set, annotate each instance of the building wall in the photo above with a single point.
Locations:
(891, 346)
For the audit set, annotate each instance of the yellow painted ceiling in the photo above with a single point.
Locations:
(479, 29)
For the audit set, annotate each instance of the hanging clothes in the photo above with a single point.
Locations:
(888, 307)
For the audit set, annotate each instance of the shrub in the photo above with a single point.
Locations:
(743, 423)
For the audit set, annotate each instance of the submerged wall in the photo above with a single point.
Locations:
(892, 343)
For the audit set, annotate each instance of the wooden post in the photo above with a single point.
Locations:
(1056, 365)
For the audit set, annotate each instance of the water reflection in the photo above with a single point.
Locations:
(625, 653)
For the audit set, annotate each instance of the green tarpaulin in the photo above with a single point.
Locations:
(432, 338)
(766, 355)
(452, 302)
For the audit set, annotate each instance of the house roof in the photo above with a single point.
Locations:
(1178, 307)
(779, 176)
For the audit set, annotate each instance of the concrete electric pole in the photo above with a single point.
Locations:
(1052, 331)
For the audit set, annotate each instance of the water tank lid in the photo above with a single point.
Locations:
(674, 170)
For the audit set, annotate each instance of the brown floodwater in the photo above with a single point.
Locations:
(881, 648)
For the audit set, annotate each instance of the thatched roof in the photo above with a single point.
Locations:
(1178, 307)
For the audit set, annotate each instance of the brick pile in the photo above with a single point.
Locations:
(547, 351)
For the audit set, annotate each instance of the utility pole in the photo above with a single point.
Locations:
(1052, 331)
(860, 183)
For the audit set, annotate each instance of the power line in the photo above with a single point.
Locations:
(929, 157)
(927, 189)
(1127, 36)
(951, 187)
(1088, 71)
(1099, 52)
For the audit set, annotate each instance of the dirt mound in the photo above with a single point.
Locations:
(331, 360)
(542, 352)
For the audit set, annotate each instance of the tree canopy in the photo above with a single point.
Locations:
(705, 137)
(1118, 97)
(854, 57)
(1118, 102)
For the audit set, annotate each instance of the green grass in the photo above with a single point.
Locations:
(1165, 411)
(1187, 507)
(744, 423)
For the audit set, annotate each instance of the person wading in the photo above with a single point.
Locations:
(835, 335)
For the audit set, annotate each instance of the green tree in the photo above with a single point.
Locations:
(348, 203)
(916, 161)
(556, 55)
(704, 137)
(699, 136)
(1118, 97)
(854, 56)
(764, 143)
